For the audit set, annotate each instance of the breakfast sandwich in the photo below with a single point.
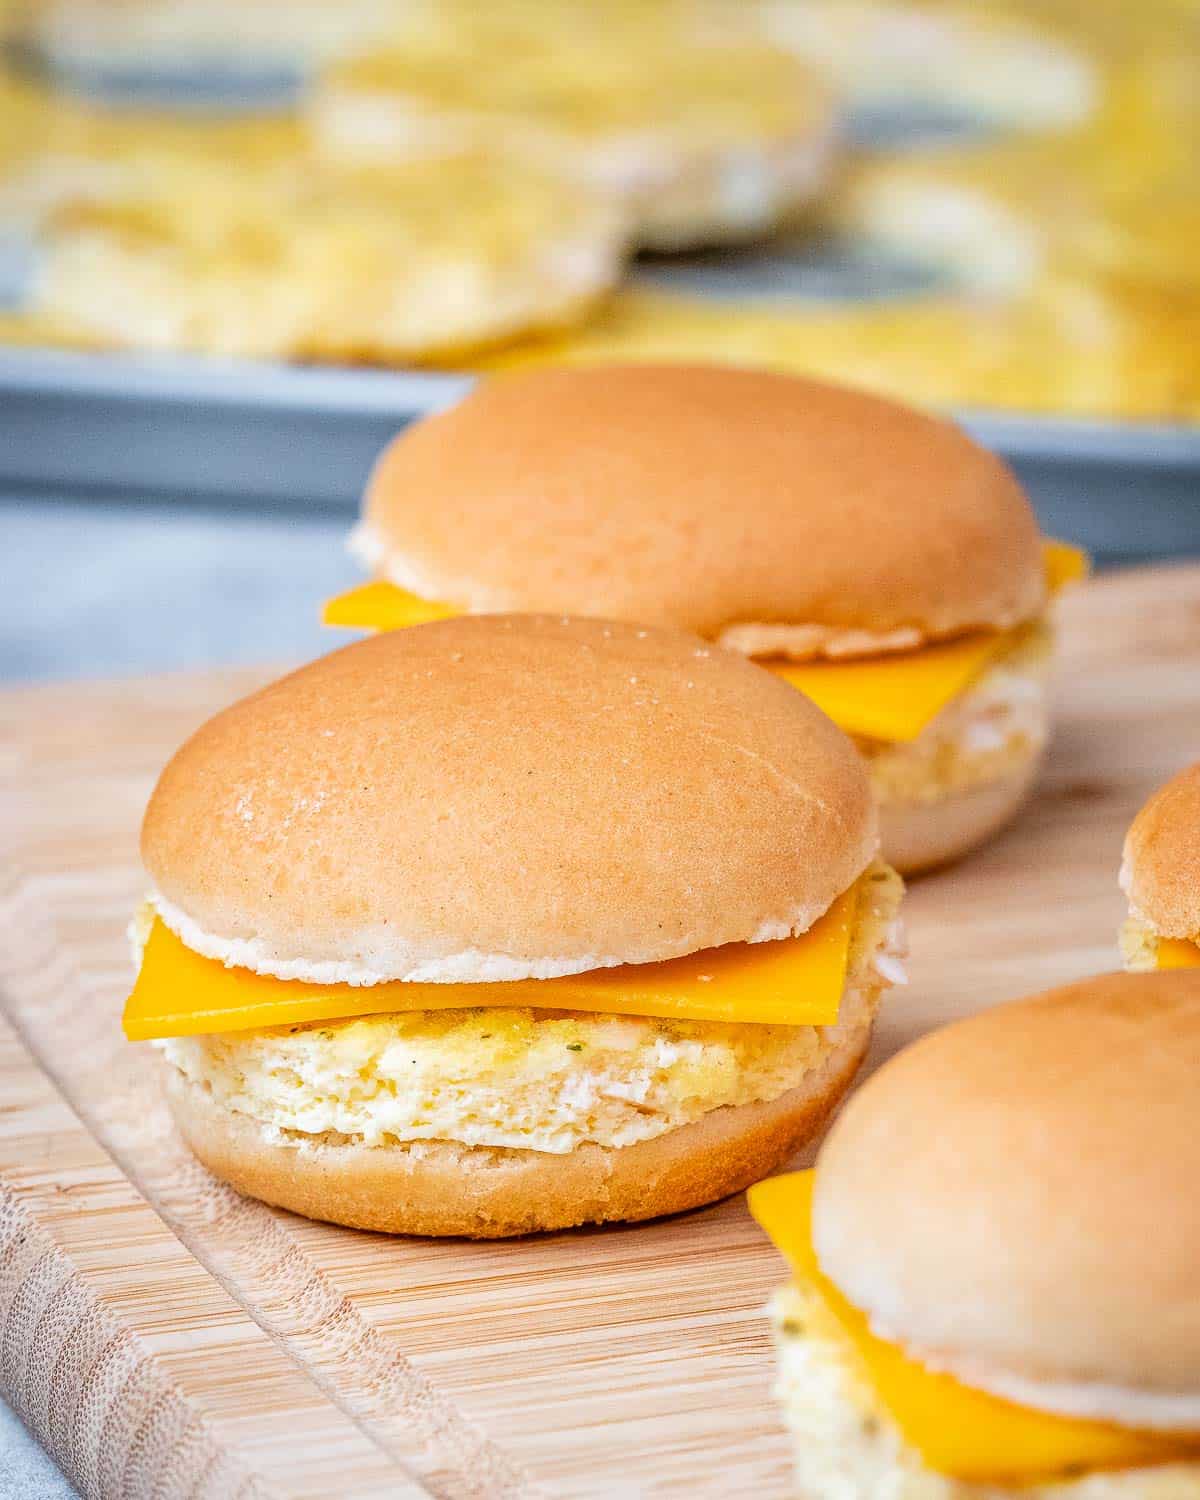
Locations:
(704, 134)
(511, 923)
(1160, 874)
(996, 1261)
(873, 557)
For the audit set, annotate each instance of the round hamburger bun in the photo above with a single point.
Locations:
(1014, 1200)
(506, 797)
(1161, 868)
(777, 514)
(446, 1188)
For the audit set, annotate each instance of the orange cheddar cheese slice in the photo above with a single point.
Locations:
(1177, 953)
(1064, 564)
(958, 1431)
(382, 606)
(791, 982)
(893, 698)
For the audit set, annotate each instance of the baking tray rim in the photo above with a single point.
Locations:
(360, 392)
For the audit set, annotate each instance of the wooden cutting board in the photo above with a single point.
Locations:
(167, 1337)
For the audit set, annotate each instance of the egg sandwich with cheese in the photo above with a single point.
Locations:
(511, 923)
(996, 1262)
(874, 557)
(1160, 874)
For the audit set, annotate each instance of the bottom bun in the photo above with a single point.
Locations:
(919, 836)
(487, 1192)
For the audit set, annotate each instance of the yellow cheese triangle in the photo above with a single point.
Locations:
(957, 1431)
(893, 698)
(382, 606)
(793, 982)
(1177, 953)
(1064, 564)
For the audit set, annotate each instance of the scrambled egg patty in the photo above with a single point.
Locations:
(984, 734)
(277, 253)
(847, 1448)
(700, 129)
(589, 85)
(1138, 939)
(533, 1079)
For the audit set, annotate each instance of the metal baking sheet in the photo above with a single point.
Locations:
(131, 425)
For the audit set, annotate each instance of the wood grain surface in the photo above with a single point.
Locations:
(165, 1337)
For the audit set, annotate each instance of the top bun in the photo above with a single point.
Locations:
(1161, 873)
(714, 499)
(497, 797)
(1015, 1198)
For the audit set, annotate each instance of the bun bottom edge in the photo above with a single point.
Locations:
(920, 836)
(443, 1188)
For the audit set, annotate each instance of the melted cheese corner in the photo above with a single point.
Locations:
(791, 982)
(1177, 953)
(1064, 564)
(956, 1430)
(382, 606)
(893, 698)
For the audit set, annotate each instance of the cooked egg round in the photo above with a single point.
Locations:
(163, 245)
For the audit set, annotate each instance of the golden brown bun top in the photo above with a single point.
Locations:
(1018, 1192)
(498, 796)
(704, 497)
(1162, 857)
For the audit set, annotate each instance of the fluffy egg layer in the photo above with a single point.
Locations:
(988, 732)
